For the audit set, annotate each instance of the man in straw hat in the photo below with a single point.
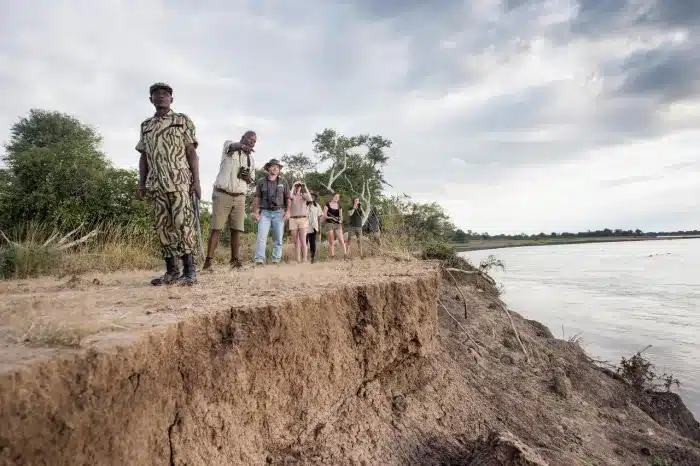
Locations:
(168, 176)
(271, 208)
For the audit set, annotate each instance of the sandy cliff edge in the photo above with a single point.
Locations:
(369, 362)
(222, 385)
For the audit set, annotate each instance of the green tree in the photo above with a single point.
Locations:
(424, 219)
(356, 165)
(57, 173)
(460, 236)
(298, 166)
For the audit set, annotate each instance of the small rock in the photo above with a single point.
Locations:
(507, 359)
(509, 343)
(561, 385)
(399, 404)
(505, 448)
(477, 357)
(645, 451)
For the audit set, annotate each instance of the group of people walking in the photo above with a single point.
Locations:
(169, 177)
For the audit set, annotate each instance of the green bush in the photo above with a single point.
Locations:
(446, 254)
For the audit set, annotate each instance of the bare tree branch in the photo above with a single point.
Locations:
(77, 241)
(351, 186)
(334, 176)
(366, 197)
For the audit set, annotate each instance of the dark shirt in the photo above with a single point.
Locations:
(332, 213)
(356, 217)
(273, 194)
(373, 222)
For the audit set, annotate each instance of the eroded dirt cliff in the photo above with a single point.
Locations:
(366, 362)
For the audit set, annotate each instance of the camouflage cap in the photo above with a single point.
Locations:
(156, 86)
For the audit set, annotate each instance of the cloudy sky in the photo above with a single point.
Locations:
(515, 115)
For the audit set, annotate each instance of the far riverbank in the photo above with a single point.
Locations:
(481, 244)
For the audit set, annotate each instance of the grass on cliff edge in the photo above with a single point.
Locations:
(35, 250)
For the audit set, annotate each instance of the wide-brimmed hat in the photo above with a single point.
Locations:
(156, 86)
(272, 162)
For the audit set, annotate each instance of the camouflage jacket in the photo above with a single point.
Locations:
(163, 140)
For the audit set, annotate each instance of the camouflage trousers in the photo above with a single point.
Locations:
(174, 223)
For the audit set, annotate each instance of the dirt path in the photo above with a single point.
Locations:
(40, 318)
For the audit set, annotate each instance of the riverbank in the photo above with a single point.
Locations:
(482, 244)
(376, 361)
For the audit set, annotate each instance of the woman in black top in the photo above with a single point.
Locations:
(333, 215)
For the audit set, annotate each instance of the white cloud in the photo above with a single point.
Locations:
(511, 120)
(577, 196)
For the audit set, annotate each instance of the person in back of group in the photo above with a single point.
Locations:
(333, 215)
(373, 226)
(271, 208)
(299, 219)
(169, 176)
(355, 227)
(315, 214)
(228, 198)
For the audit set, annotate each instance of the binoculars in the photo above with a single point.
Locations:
(243, 173)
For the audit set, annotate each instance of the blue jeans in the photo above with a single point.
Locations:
(276, 220)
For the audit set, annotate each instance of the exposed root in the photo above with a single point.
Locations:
(515, 331)
(464, 298)
(459, 324)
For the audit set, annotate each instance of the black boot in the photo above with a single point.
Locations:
(189, 275)
(172, 273)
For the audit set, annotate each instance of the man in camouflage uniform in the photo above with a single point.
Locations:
(169, 175)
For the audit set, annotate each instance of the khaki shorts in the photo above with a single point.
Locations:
(298, 223)
(354, 231)
(333, 226)
(227, 208)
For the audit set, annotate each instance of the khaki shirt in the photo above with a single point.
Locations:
(299, 207)
(163, 140)
(231, 163)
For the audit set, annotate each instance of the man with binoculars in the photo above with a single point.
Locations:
(228, 199)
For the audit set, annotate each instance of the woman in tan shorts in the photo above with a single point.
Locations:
(333, 215)
(299, 219)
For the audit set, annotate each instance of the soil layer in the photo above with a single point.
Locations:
(363, 362)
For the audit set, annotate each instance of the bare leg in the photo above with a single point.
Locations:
(213, 242)
(331, 243)
(295, 242)
(211, 247)
(302, 243)
(342, 242)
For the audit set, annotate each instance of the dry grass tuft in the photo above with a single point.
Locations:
(35, 249)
